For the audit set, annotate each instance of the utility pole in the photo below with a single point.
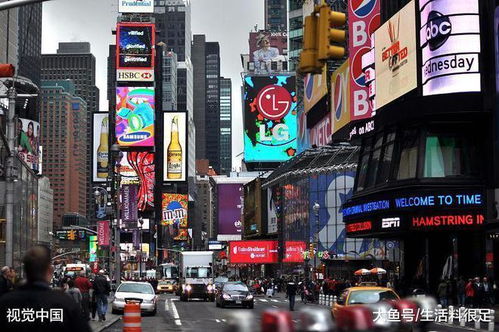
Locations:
(9, 206)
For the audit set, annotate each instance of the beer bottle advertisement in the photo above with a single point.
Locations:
(100, 168)
(175, 137)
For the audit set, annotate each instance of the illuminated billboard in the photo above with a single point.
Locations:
(230, 202)
(138, 168)
(136, 6)
(174, 215)
(270, 118)
(175, 146)
(100, 149)
(395, 56)
(28, 143)
(363, 20)
(340, 101)
(135, 45)
(450, 46)
(252, 252)
(265, 47)
(135, 116)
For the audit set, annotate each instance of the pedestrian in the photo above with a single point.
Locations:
(75, 294)
(470, 293)
(101, 289)
(291, 293)
(5, 283)
(34, 306)
(84, 286)
(488, 292)
(461, 292)
(479, 295)
(442, 292)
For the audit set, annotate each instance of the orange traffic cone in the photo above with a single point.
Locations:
(132, 322)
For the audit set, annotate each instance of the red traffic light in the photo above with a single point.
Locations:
(7, 70)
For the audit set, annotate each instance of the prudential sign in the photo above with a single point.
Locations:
(136, 6)
(450, 46)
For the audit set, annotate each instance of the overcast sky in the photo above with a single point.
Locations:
(225, 21)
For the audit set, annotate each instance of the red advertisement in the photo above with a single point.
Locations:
(103, 232)
(321, 133)
(294, 252)
(257, 252)
(363, 20)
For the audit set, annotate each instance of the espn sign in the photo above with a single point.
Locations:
(134, 75)
(390, 222)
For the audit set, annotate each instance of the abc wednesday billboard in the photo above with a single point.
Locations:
(270, 118)
(175, 146)
(230, 201)
(315, 89)
(340, 101)
(175, 218)
(100, 147)
(450, 46)
(135, 116)
(28, 143)
(363, 20)
(395, 56)
(136, 6)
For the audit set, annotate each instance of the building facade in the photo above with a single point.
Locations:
(45, 221)
(169, 81)
(225, 125)
(30, 42)
(63, 122)
(276, 15)
(74, 61)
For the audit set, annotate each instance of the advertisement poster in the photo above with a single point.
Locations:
(294, 251)
(395, 56)
(129, 208)
(266, 46)
(450, 46)
(136, 6)
(320, 134)
(270, 118)
(103, 232)
(315, 89)
(174, 210)
(92, 248)
(100, 149)
(251, 252)
(138, 168)
(135, 116)
(340, 101)
(28, 143)
(363, 20)
(230, 198)
(135, 44)
(175, 146)
(273, 209)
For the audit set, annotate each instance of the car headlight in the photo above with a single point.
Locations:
(188, 288)
(226, 297)
(249, 297)
(210, 288)
(149, 301)
(119, 298)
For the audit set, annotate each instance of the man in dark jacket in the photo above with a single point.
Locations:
(101, 290)
(34, 306)
(291, 289)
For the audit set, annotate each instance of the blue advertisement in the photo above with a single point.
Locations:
(270, 118)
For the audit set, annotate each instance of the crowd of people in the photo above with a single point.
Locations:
(477, 292)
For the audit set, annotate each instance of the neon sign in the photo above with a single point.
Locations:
(359, 227)
(452, 220)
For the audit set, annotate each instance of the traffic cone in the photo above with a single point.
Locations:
(132, 321)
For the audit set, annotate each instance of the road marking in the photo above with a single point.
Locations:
(274, 306)
(218, 320)
(166, 306)
(275, 300)
(224, 320)
(175, 315)
(263, 300)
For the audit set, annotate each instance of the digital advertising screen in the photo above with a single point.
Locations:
(28, 143)
(175, 146)
(249, 252)
(138, 168)
(230, 201)
(100, 148)
(135, 45)
(135, 116)
(270, 118)
(294, 251)
(174, 215)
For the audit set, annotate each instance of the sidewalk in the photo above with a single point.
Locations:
(97, 326)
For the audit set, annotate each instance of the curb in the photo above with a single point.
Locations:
(107, 324)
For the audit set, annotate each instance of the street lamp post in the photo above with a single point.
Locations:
(117, 155)
(316, 209)
(141, 222)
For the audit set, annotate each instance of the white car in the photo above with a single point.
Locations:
(135, 290)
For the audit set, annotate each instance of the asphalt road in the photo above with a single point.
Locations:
(197, 315)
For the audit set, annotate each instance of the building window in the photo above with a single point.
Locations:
(409, 155)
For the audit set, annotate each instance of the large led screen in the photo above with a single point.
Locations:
(270, 118)
(135, 43)
(230, 200)
(174, 215)
(28, 143)
(135, 116)
(450, 46)
(252, 252)
(138, 168)
(100, 150)
(175, 146)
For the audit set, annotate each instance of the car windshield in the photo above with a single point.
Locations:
(198, 272)
(371, 296)
(235, 287)
(135, 288)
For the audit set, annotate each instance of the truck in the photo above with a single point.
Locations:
(196, 276)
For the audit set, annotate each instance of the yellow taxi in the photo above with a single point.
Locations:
(166, 286)
(365, 293)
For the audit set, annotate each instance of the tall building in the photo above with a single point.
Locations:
(63, 122)
(295, 32)
(9, 30)
(75, 62)
(30, 42)
(276, 13)
(169, 81)
(225, 125)
(206, 61)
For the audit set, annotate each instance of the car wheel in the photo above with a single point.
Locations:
(222, 304)
(153, 313)
(216, 304)
(212, 299)
(251, 306)
(115, 312)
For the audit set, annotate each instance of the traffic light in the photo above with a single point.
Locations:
(72, 235)
(326, 35)
(7, 70)
(308, 57)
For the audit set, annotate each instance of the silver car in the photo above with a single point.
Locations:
(130, 290)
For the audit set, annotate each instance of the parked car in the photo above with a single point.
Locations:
(143, 292)
(234, 293)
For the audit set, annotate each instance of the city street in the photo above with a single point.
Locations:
(197, 315)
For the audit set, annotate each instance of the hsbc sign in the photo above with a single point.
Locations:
(133, 75)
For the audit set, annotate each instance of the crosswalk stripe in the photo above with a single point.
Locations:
(273, 300)
(263, 300)
(217, 320)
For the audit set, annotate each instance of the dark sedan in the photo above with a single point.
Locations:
(234, 293)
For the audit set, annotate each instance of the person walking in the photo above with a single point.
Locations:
(470, 293)
(488, 292)
(461, 292)
(101, 289)
(291, 294)
(479, 294)
(84, 285)
(442, 292)
(34, 306)
(75, 294)
(5, 283)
